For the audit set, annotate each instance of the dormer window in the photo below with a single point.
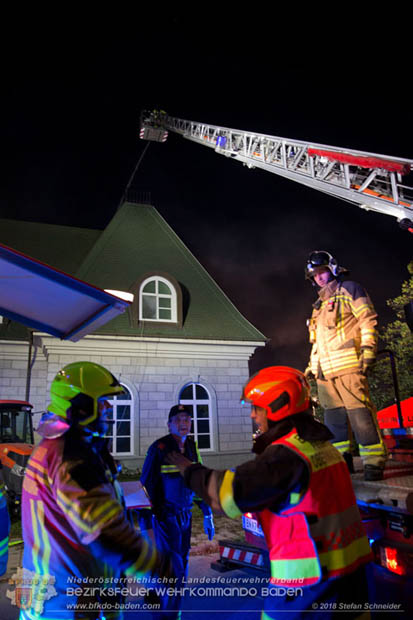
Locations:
(157, 300)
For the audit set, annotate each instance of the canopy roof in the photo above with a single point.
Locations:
(50, 300)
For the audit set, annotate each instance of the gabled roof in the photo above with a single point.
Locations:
(138, 241)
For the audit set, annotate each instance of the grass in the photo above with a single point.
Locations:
(15, 528)
(225, 528)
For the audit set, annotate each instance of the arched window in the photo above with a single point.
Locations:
(121, 432)
(157, 300)
(195, 397)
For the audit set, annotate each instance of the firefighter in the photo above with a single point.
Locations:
(4, 525)
(170, 497)
(344, 344)
(79, 547)
(301, 490)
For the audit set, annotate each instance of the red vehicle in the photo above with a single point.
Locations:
(16, 445)
(386, 506)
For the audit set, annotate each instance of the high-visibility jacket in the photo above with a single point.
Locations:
(342, 323)
(76, 534)
(318, 534)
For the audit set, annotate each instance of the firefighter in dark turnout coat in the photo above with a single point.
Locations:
(300, 487)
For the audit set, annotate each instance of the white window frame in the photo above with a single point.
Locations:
(114, 436)
(158, 296)
(194, 401)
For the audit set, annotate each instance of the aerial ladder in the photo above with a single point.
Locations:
(374, 183)
(371, 181)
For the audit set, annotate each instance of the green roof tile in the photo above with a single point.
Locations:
(138, 241)
(49, 243)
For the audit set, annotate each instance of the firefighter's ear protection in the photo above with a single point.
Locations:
(333, 264)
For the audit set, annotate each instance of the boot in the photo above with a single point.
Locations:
(373, 472)
(347, 456)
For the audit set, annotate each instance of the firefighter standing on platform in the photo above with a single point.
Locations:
(78, 542)
(314, 535)
(344, 338)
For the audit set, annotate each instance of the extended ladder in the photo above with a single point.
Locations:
(373, 182)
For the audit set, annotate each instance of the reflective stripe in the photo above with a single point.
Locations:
(295, 498)
(145, 562)
(337, 559)
(342, 446)
(300, 571)
(198, 453)
(36, 546)
(226, 495)
(87, 521)
(41, 551)
(4, 545)
(38, 473)
(377, 448)
(171, 469)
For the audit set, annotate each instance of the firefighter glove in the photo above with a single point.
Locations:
(367, 358)
(209, 528)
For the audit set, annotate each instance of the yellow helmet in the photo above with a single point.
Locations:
(75, 391)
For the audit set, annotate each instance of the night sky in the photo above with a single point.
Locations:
(70, 142)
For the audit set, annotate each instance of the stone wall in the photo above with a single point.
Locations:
(154, 379)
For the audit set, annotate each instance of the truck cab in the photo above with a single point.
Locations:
(16, 445)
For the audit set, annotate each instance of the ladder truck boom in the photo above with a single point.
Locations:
(371, 181)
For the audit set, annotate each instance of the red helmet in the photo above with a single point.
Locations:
(281, 390)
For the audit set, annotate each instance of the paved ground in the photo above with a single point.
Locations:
(239, 594)
(7, 610)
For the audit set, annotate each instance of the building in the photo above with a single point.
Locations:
(182, 340)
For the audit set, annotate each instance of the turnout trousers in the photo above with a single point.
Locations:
(346, 401)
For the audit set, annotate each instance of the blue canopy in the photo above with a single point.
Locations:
(49, 300)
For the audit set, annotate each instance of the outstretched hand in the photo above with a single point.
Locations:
(179, 460)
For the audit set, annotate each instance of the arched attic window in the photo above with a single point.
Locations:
(158, 300)
(157, 297)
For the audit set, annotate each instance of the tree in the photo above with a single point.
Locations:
(397, 337)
